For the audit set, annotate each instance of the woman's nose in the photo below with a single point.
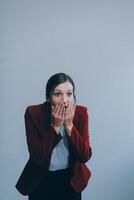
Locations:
(64, 98)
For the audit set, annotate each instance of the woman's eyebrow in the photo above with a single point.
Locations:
(61, 90)
(57, 90)
(70, 90)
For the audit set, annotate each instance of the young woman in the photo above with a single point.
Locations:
(58, 143)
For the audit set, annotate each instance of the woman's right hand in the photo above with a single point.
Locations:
(57, 113)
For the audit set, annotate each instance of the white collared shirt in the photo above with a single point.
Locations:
(60, 154)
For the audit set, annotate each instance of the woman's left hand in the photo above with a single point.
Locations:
(68, 118)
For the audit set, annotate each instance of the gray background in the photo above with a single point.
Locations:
(92, 41)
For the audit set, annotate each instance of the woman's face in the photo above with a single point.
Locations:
(63, 93)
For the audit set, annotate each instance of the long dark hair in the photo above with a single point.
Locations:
(55, 80)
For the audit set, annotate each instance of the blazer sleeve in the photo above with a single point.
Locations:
(79, 140)
(39, 148)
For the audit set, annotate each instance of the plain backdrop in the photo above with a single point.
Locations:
(93, 42)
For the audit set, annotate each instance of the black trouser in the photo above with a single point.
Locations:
(56, 185)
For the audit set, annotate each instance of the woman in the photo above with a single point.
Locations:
(58, 144)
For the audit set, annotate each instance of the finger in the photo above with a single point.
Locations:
(61, 109)
(67, 113)
(57, 107)
(52, 107)
(52, 110)
(63, 112)
(70, 111)
(71, 105)
(55, 111)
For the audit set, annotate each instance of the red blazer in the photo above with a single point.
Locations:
(42, 138)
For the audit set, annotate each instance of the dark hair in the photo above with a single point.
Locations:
(55, 80)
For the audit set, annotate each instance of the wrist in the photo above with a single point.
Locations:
(69, 129)
(56, 128)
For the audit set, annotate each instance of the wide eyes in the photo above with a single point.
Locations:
(69, 94)
(57, 94)
(60, 94)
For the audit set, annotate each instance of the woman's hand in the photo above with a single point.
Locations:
(68, 117)
(57, 113)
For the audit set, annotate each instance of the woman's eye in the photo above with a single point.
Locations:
(57, 94)
(70, 94)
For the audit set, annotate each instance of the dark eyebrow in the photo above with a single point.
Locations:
(57, 90)
(61, 91)
(70, 90)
